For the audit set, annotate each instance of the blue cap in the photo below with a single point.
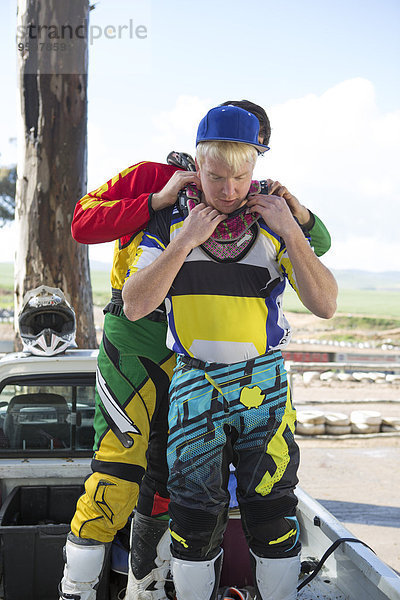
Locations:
(230, 124)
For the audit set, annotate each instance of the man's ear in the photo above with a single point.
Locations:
(198, 173)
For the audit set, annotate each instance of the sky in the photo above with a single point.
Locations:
(327, 73)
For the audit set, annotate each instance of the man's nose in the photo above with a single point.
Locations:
(229, 188)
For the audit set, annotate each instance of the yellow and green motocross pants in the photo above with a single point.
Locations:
(133, 374)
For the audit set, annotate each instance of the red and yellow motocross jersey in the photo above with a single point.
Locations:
(119, 210)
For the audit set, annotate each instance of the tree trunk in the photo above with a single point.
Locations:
(52, 156)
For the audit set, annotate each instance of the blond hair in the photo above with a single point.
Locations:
(232, 154)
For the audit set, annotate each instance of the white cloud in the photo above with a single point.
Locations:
(363, 253)
(339, 154)
(183, 118)
(122, 140)
(176, 129)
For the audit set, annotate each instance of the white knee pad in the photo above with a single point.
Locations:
(276, 578)
(152, 586)
(84, 563)
(197, 580)
(163, 549)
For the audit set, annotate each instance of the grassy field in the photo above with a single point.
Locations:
(6, 276)
(377, 302)
(6, 285)
(380, 303)
(100, 287)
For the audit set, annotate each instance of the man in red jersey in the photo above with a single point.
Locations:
(133, 374)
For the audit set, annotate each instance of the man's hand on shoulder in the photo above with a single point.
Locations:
(275, 212)
(168, 195)
(299, 211)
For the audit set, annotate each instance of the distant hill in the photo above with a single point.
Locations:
(360, 292)
(353, 279)
(350, 279)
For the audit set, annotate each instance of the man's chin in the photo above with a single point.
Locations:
(228, 207)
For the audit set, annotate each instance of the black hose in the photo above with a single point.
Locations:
(331, 549)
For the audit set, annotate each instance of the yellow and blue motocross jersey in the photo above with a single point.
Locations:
(222, 312)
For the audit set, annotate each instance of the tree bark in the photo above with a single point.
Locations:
(52, 159)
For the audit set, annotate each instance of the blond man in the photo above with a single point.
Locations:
(220, 259)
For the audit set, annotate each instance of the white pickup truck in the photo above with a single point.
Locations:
(46, 437)
(46, 417)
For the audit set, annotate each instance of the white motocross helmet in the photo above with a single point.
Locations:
(46, 322)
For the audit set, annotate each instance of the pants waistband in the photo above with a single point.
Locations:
(196, 363)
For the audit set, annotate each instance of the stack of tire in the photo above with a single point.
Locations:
(317, 422)
(330, 377)
(337, 423)
(310, 422)
(365, 421)
(390, 424)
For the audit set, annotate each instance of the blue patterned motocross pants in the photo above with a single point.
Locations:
(240, 413)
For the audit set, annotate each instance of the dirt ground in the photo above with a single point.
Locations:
(304, 326)
(357, 479)
(358, 482)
